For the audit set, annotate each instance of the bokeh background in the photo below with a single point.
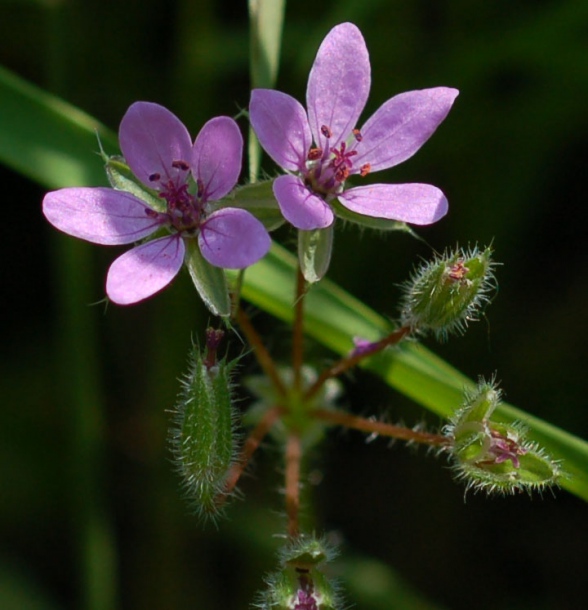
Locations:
(85, 477)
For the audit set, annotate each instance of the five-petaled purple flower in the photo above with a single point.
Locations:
(323, 149)
(159, 151)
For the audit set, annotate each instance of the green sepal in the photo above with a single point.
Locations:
(368, 222)
(314, 252)
(496, 456)
(258, 199)
(448, 292)
(202, 435)
(210, 281)
(122, 178)
(300, 582)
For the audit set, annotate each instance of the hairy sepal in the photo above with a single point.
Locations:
(203, 437)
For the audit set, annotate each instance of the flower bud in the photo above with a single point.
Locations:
(448, 292)
(202, 434)
(496, 456)
(300, 584)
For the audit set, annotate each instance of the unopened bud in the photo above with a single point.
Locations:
(300, 583)
(496, 456)
(445, 294)
(202, 433)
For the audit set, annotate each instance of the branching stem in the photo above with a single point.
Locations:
(350, 361)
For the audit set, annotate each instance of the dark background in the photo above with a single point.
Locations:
(83, 418)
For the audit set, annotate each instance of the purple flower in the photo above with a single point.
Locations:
(322, 149)
(187, 177)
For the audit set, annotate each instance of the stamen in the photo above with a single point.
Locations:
(458, 271)
(179, 164)
(342, 173)
(326, 131)
(154, 177)
(357, 135)
(314, 154)
(365, 169)
(200, 187)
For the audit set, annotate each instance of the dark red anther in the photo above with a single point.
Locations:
(314, 154)
(179, 164)
(357, 135)
(326, 131)
(154, 177)
(199, 187)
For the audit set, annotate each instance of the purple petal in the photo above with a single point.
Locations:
(419, 204)
(401, 126)
(282, 127)
(153, 140)
(301, 207)
(144, 270)
(339, 84)
(216, 157)
(100, 215)
(232, 238)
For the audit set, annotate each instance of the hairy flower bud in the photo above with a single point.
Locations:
(202, 433)
(496, 456)
(446, 293)
(300, 583)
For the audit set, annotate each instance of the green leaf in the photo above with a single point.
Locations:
(47, 139)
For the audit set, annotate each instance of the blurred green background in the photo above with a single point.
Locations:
(86, 486)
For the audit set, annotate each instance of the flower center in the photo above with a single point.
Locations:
(328, 168)
(185, 211)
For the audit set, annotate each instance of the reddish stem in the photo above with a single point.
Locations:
(348, 362)
(263, 356)
(298, 330)
(250, 446)
(376, 427)
(293, 457)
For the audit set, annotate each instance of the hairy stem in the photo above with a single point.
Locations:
(249, 447)
(350, 361)
(293, 457)
(376, 427)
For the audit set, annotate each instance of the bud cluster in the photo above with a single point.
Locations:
(496, 456)
(443, 295)
(202, 435)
